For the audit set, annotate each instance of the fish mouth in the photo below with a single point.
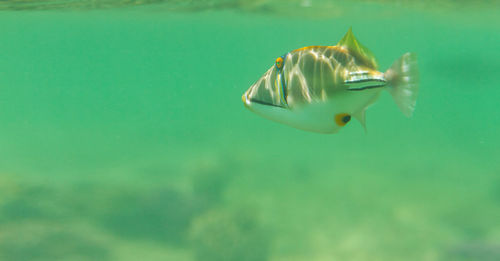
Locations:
(245, 100)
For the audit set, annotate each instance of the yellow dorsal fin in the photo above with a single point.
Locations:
(356, 49)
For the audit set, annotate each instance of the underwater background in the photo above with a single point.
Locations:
(123, 135)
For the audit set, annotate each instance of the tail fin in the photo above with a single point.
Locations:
(402, 80)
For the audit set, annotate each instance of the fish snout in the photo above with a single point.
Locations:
(245, 100)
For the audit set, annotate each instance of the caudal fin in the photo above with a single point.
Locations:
(402, 80)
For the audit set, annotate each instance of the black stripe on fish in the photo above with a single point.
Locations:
(366, 88)
(365, 80)
(265, 103)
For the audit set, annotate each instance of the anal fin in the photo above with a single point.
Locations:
(361, 117)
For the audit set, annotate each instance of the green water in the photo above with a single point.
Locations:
(123, 136)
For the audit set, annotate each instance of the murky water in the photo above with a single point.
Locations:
(123, 135)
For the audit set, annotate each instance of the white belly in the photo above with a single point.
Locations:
(319, 116)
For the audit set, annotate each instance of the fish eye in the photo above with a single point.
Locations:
(279, 62)
(342, 119)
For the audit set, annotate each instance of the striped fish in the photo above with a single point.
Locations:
(319, 88)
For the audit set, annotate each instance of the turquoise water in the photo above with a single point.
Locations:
(123, 136)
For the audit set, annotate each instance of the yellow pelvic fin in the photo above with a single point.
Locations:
(356, 49)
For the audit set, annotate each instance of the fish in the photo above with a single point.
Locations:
(321, 88)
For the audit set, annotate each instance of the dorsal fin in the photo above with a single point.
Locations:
(356, 49)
